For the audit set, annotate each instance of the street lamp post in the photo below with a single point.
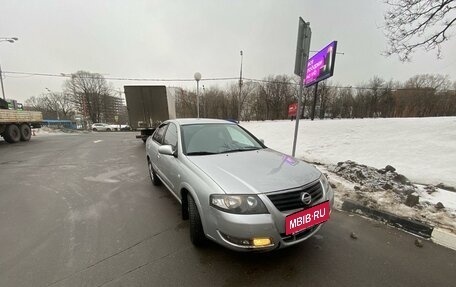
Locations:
(197, 78)
(203, 94)
(1, 82)
(55, 103)
(11, 40)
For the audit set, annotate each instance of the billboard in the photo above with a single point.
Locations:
(321, 65)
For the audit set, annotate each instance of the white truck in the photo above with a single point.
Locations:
(16, 125)
(148, 106)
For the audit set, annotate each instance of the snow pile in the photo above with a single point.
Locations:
(47, 131)
(370, 178)
(384, 189)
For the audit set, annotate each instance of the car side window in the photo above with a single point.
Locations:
(171, 136)
(158, 134)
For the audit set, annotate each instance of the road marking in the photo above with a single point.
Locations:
(97, 141)
(445, 238)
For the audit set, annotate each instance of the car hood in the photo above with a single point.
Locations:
(258, 171)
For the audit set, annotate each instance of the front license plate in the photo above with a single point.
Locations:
(307, 218)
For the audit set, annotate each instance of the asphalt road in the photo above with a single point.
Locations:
(80, 210)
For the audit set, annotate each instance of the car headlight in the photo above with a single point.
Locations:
(324, 182)
(328, 190)
(240, 204)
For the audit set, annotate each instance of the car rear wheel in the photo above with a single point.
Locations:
(108, 130)
(197, 235)
(153, 176)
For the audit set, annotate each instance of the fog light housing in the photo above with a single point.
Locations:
(256, 242)
(261, 241)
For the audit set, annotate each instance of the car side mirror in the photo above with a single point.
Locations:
(166, 149)
(262, 141)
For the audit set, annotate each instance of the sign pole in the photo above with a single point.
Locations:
(302, 56)
(298, 111)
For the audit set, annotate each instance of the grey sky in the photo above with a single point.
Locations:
(174, 39)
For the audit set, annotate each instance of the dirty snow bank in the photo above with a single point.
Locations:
(387, 190)
(46, 131)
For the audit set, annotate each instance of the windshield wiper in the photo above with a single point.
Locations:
(201, 153)
(247, 148)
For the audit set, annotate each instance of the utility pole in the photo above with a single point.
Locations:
(1, 81)
(10, 40)
(240, 90)
(204, 101)
(55, 104)
(197, 77)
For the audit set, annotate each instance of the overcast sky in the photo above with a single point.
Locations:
(175, 39)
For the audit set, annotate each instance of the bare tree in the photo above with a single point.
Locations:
(436, 82)
(53, 105)
(90, 93)
(419, 96)
(413, 24)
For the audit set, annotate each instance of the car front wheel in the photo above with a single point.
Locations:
(197, 235)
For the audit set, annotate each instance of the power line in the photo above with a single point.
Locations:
(62, 75)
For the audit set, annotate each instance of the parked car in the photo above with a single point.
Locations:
(101, 127)
(125, 128)
(235, 190)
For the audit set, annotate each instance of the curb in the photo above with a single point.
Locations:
(407, 224)
(437, 235)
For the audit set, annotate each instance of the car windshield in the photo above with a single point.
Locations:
(206, 139)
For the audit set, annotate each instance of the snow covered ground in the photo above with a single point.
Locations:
(46, 131)
(422, 149)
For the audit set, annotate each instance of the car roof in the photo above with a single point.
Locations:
(193, 121)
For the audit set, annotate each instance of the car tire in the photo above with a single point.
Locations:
(153, 176)
(26, 132)
(94, 129)
(12, 134)
(108, 130)
(197, 235)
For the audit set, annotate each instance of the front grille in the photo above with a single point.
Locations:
(284, 201)
(300, 235)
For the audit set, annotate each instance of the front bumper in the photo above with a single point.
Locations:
(230, 229)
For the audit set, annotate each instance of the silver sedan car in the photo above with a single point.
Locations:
(233, 189)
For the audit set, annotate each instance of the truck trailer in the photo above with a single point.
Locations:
(16, 125)
(148, 106)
